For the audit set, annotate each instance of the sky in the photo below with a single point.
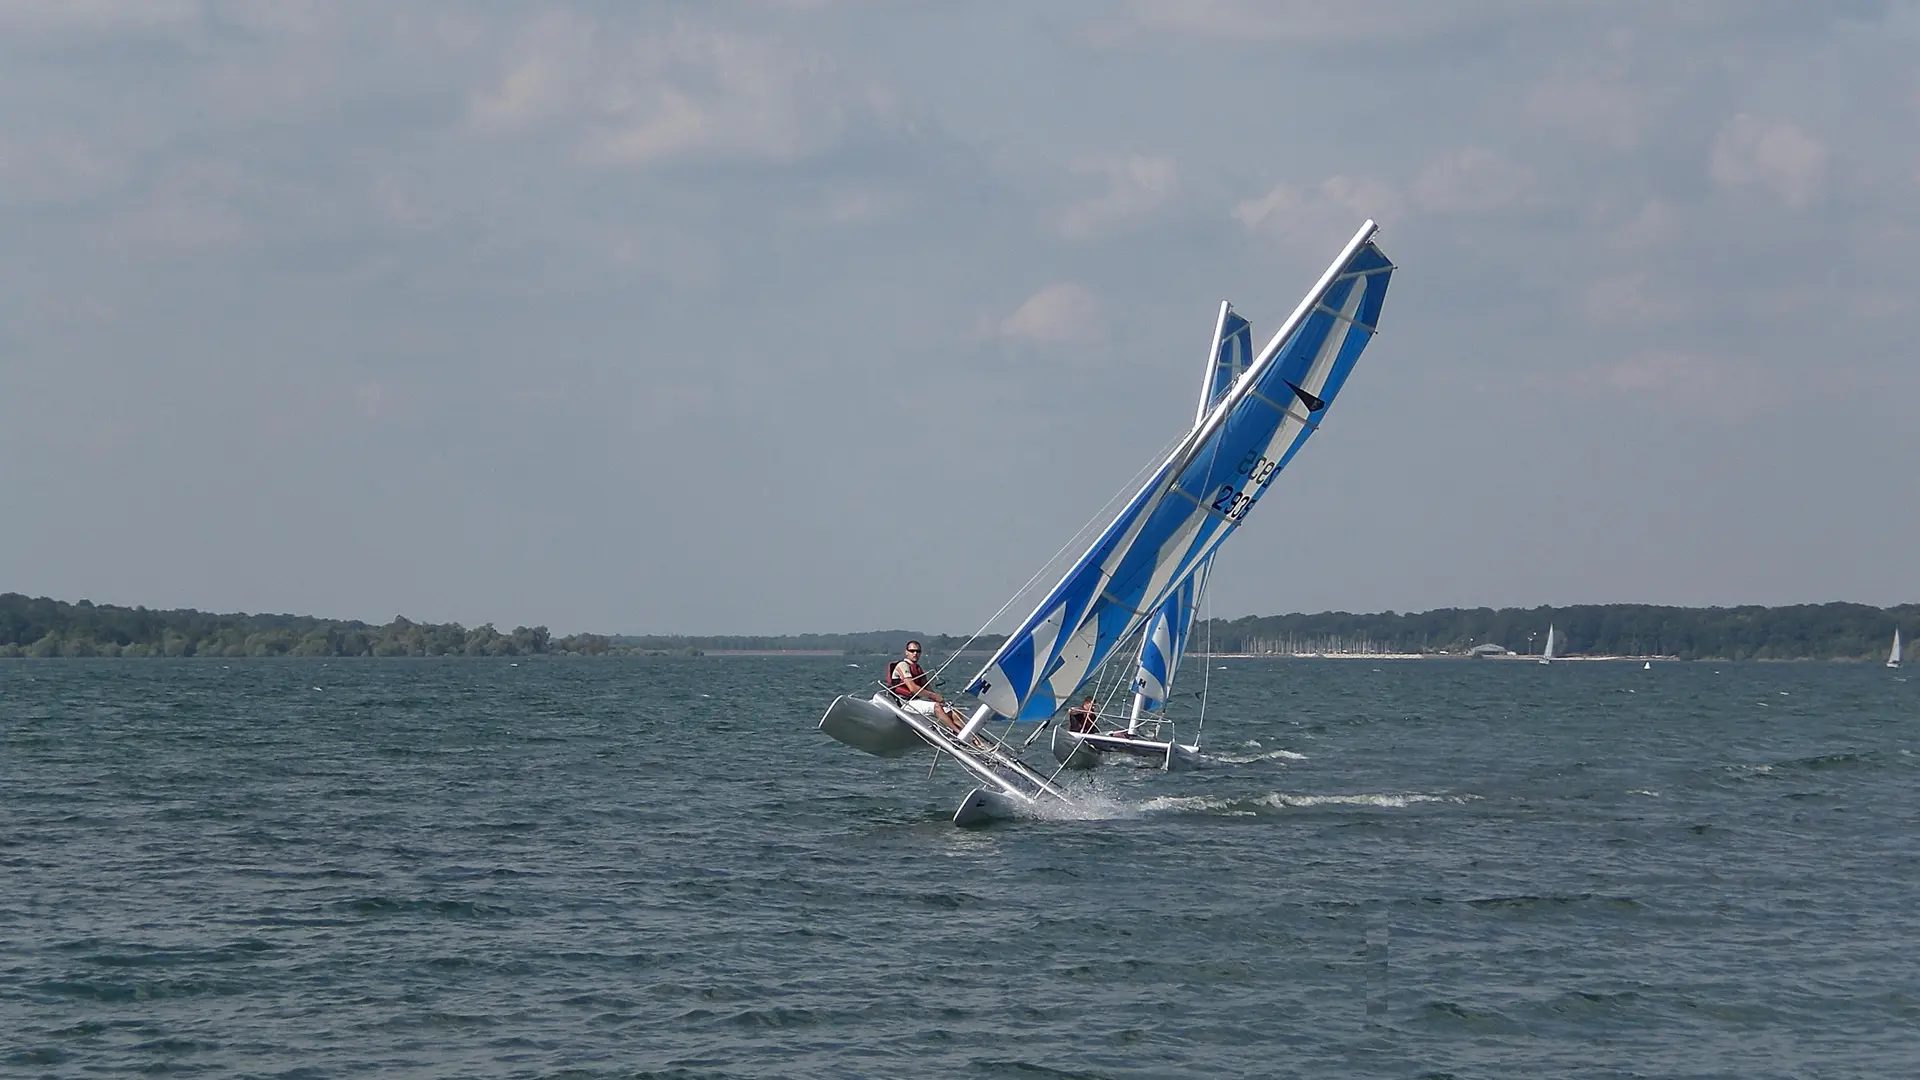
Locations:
(830, 316)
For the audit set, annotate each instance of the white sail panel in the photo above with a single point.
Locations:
(1198, 496)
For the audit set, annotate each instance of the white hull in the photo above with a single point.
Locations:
(1082, 750)
(983, 807)
(1070, 752)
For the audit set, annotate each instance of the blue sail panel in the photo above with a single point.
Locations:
(1196, 498)
(1165, 640)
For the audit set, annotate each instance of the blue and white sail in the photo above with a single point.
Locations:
(1198, 496)
(1165, 640)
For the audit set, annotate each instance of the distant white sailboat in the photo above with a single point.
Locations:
(1893, 658)
(1547, 656)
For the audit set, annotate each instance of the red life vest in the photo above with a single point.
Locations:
(896, 685)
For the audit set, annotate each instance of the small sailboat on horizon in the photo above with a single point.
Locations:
(1893, 658)
(1546, 657)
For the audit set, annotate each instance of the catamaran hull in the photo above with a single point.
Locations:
(1083, 751)
(865, 724)
(983, 807)
(883, 727)
(1070, 752)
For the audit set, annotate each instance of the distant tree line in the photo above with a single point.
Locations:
(1802, 631)
(44, 627)
(869, 641)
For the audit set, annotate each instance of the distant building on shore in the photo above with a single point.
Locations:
(1489, 649)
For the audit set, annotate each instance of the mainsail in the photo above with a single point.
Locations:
(1232, 355)
(1199, 494)
(1165, 640)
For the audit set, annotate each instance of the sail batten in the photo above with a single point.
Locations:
(1158, 544)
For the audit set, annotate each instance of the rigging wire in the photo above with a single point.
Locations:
(1125, 489)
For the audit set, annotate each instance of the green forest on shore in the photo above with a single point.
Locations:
(41, 627)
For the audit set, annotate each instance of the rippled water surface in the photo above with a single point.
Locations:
(658, 868)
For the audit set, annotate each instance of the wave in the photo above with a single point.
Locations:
(1281, 801)
(1864, 759)
(1819, 762)
(1249, 759)
(1537, 903)
(451, 909)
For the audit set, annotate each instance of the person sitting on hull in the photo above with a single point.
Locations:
(1080, 718)
(908, 682)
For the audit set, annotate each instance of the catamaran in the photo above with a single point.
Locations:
(1158, 544)
(1546, 657)
(1147, 732)
(1893, 658)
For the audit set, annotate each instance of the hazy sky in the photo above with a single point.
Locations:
(771, 317)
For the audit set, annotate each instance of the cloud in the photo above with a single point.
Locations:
(638, 97)
(1629, 300)
(1773, 155)
(1468, 180)
(98, 15)
(1634, 226)
(1305, 21)
(1603, 111)
(1320, 214)
(1675, 380)
(1136, 187)
(859, 206)
(1676, 377)
(199, 205)
(56, 168)
(1473, 180)
(1059, 313)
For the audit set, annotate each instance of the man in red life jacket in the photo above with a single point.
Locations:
(906, 681)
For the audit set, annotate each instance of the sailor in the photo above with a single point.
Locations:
(908, 682)
(1080, 717)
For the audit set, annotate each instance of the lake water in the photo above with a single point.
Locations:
(657, 867)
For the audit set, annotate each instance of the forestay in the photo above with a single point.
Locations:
(1199, 494)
